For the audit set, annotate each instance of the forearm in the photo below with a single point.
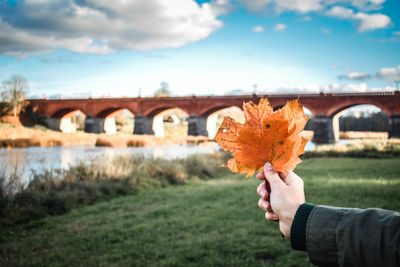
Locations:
(340, 236)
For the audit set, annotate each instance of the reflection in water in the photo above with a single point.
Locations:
(310, 145)
(24, 161)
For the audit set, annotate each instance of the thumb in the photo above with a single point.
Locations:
(272, 176)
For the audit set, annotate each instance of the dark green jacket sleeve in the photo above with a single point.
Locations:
(353, 237)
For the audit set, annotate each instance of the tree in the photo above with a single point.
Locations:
(163, 90)
(14, 92)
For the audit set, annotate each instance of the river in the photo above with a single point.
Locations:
(25, 161)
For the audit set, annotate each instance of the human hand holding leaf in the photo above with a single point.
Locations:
(266, 136)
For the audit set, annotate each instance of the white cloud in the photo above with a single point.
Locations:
(389, 73)
(357, 76)
(21, 43)
(279, 6)
(258, 29)
(306, 6)
(396, 33)
(340, 12)
(368, 4)
(307, 18)
(344, 88)
(326, 30)
(377, 1)
(98, 27)
(365, 5)
(280, 27)
(370, 22)
(366, 22)
(326, 88)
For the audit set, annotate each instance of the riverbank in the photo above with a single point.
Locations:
(359, 148)
(12, 136)
(212, 222)
(56, 191)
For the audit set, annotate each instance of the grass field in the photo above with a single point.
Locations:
(206, 223)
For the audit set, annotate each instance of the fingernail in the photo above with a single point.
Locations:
(269, 167)
(263, 192)
(264, 205)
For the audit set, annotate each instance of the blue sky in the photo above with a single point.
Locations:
(83, 48)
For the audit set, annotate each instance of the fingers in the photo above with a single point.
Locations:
(265, 205)
(271, 216)
(272, 176)
(262, 191)
(292, 178)
(261, 175)
(284, 175)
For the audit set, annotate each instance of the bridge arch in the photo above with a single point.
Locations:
(381, 119)
(154, 111)
(66, 112)
(112, 111)
(346, 105)
(215, 108)
(215, 118)
(152, 120)
(106, 120)
(170, 122)
(66, 120)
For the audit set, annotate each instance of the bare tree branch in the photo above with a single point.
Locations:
(14, 91)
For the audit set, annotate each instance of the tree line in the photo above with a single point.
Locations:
(374, 122)
(366, 122)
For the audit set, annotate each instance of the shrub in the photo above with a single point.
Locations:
(19, 142)
(103, 142)
(360, 148)
(54, 204)
(54, 192)
(135, 143)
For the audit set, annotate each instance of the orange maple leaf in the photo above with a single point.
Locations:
(266, 136)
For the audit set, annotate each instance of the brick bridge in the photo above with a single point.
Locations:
(326, 109)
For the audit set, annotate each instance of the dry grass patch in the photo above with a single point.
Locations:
(17, 136)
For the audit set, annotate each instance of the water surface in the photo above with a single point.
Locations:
(24, 161)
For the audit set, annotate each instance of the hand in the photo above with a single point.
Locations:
(287, 194)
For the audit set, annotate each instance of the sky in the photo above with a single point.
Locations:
(97, 48)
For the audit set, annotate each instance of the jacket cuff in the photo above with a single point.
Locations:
(298, 229)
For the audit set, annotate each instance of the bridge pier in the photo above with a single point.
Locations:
(323, 130)
(197, 125)
(94, 125)
(394, 126)
(143, 125)
(53, 123)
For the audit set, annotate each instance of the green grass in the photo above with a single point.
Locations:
(55, 192)
(204, 223)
